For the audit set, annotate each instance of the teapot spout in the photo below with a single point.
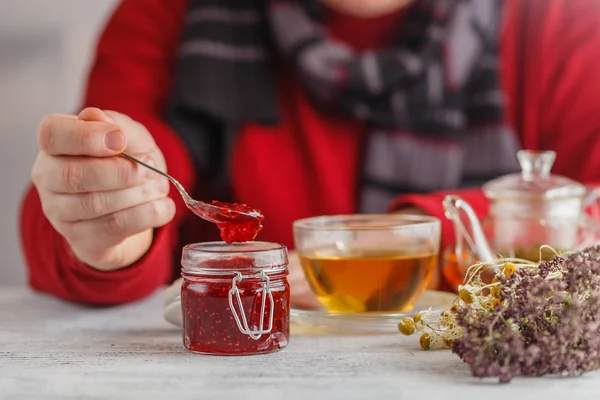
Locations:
(453, 205)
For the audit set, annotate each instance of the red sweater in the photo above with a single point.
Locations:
(550, 76)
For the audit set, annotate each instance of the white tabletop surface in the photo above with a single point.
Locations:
(54, 350)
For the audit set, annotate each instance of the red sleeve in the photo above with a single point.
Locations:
(132, 75)
(570, 113)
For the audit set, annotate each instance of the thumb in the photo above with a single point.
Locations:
(93, 114)
(139, 140)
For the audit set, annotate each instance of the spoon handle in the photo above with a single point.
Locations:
(212, 213)
(158, 171)
(181, 189)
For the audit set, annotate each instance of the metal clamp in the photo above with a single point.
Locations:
(242, 322)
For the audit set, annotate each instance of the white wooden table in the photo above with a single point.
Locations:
(53, 350)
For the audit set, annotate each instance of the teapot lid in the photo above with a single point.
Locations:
(534, 181)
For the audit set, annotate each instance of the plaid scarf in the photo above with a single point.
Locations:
(432, 101)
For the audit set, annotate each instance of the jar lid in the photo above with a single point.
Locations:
(534, 181)
(234, 258)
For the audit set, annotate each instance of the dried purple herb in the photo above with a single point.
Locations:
(532, 320)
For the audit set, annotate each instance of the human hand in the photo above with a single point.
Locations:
(301, 293)
(105, 206)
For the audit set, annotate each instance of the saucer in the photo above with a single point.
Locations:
(360, 323)
(172, 303)
(369, 323)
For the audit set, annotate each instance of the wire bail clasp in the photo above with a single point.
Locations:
(242, 322)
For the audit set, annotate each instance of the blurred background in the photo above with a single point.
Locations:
(45, 50)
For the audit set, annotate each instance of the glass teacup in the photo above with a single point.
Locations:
(368, 263)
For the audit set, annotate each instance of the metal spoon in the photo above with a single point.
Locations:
(222, 212)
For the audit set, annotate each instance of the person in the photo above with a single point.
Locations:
(299, 109)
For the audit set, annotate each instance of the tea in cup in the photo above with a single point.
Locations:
(368, 263)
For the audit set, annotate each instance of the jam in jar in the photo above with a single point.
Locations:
(235, 298)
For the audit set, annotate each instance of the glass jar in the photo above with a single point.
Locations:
(235, 298)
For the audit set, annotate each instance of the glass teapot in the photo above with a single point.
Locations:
(528, 211)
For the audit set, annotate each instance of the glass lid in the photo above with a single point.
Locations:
(534, 181)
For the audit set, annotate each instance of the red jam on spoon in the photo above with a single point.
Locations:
(237, 222)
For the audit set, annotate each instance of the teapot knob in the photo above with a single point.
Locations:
(535, 164)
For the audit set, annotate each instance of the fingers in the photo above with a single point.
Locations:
(60, 135)
(87, 174)
(111, 229)
(86, 206)
(104, 205)
(93, 133)
(103, 258)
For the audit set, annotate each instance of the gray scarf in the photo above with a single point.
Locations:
(432, 101)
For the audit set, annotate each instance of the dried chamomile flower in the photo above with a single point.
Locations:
(406, 326)
(438, 330)
(531, 319)
(465, 295)
(425, 341)
(508, 269)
